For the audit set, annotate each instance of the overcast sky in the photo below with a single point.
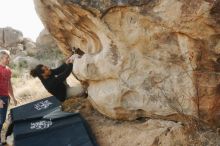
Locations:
(20, 15)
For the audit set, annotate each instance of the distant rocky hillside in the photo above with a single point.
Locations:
(13, 40)
(27, 53)
(45, 40)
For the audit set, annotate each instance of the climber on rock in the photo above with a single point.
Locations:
(54, 80)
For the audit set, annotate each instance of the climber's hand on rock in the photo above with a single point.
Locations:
(72, 58)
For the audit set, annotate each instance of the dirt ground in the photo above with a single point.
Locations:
(109, 132)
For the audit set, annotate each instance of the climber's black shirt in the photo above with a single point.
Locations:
(55, 83)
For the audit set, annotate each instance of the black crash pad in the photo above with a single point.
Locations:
(34, 109)
(71, 130)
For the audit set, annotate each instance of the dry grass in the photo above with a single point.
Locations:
(29, 90)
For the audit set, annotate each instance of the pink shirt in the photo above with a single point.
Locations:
(5, 77)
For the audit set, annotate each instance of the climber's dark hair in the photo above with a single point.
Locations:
(37, 71)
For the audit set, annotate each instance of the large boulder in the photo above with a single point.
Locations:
(30, 47)
(2, 36)
(9, 37)
(155, 59)
(45, 40)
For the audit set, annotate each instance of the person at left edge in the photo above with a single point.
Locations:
(6, 90)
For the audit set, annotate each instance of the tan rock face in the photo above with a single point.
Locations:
(152, 58)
